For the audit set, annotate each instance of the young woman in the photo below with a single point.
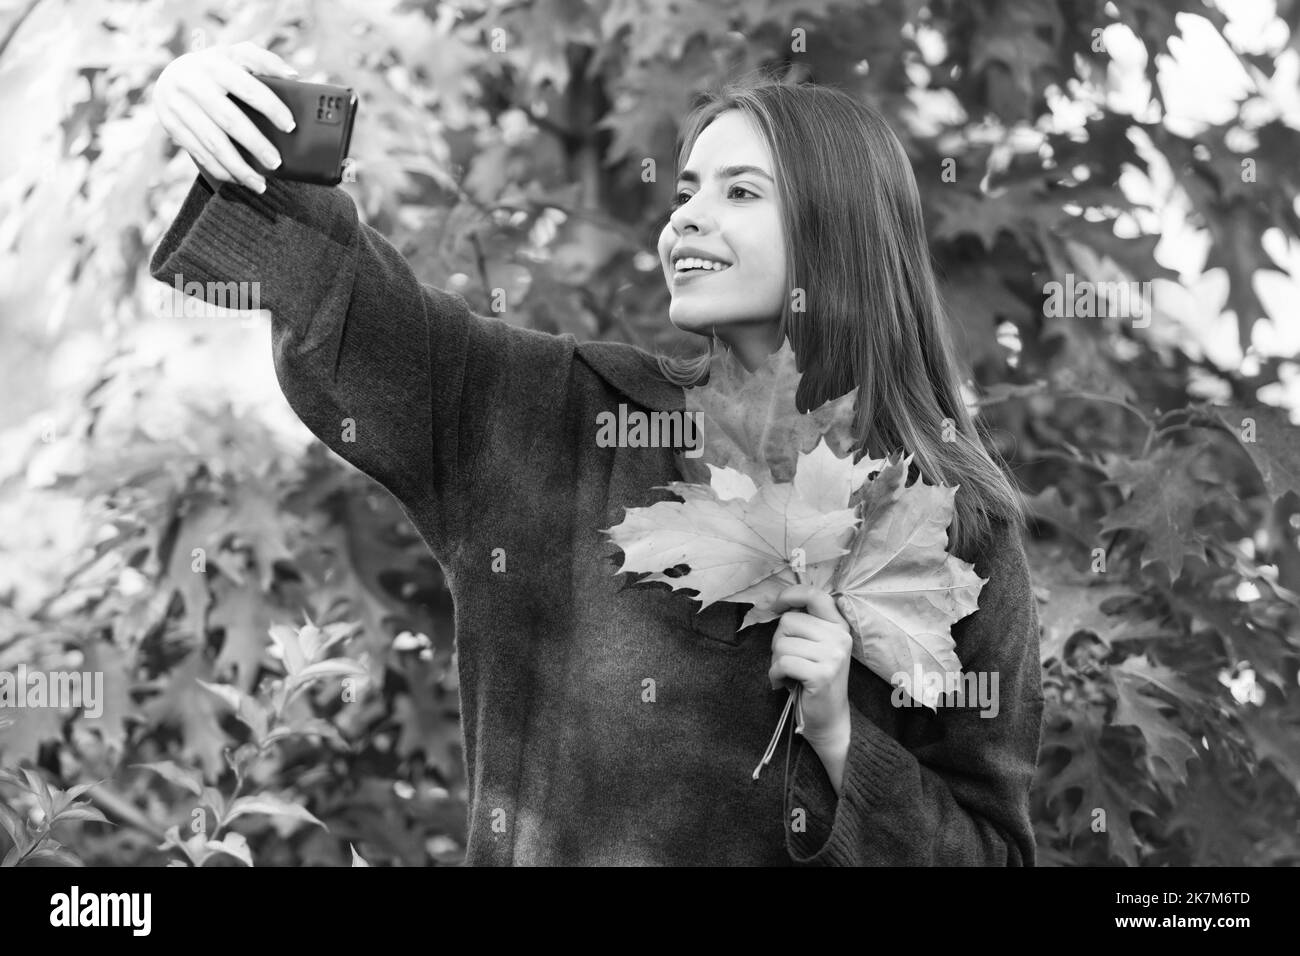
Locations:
(608, 724)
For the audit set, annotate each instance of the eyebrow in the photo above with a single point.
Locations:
(724, 172)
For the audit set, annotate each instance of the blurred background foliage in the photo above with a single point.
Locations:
(169, 522)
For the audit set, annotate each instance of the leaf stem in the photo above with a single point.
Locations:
(1106, 399)
(796, 698)
(44, 832)
(771, 745)
(797, 693)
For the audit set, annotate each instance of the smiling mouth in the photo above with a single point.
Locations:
(692, 273)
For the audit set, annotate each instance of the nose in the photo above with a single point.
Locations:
(689, 215)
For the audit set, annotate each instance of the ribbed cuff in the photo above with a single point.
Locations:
(237, 235)
(835, 830)
(215, 235)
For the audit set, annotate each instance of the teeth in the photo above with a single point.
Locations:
(691, 262)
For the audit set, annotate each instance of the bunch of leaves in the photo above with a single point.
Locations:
(1171, 717)
(878, 545)
(268, 720)
(37, 844)
(197, 548)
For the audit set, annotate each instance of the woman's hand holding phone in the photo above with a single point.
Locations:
(192, 101)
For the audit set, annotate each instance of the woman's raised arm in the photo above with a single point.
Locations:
(398, 377)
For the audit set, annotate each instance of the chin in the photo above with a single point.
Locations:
(689, 320)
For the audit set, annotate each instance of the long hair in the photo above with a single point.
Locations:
(872, 316)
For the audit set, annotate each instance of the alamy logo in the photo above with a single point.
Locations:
(1083, 299)
(102, 909)
(637, 429)
(198, 300)
(82, 690)
(924, 688)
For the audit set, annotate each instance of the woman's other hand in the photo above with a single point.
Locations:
(813, 647)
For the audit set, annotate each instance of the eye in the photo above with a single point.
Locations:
(682, 198)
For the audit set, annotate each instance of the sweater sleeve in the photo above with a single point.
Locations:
(399, 378)
(958, 797)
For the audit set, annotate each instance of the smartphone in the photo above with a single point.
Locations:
(316, 150)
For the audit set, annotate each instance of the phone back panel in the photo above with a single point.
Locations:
(316, 148)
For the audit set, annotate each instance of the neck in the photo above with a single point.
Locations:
(751, 343)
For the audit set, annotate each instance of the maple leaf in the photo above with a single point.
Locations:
(751, 422)
(823, 480)
(898, 587)
(734, 536)
(820, 479)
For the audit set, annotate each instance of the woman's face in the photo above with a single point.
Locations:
(731, 216)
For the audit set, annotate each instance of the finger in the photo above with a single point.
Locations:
(800, 627)
(218, 145)
(788, 645)
(815, 600)
(786, 667)
(238, 127)
(811, 638)
(183, 138)
(257, 95)
(231, 120)
(256, 59)
(201, 136)
(209, 165)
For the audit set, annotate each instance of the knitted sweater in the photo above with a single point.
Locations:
(602, 723)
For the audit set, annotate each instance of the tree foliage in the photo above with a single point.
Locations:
(170, 531)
